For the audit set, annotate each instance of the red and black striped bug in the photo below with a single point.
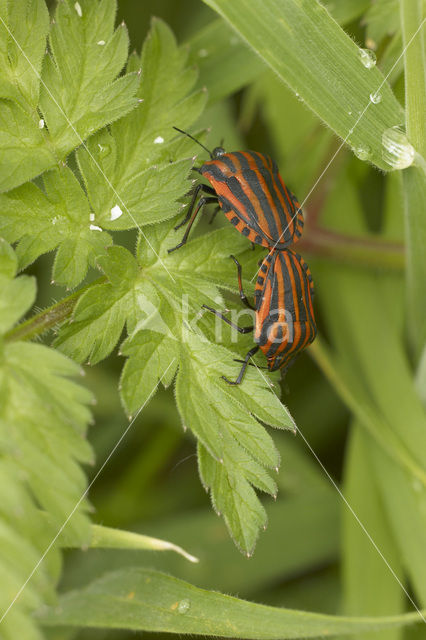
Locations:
(250, 191)
(284, 320)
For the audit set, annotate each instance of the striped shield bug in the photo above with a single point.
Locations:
(248, 188)
(284, 315)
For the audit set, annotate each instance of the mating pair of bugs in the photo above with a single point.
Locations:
(248, 188)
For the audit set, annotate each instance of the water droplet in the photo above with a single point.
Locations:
(101, 42)
(363, 153)
(77, 7)
(91, 217)
(115, 212)
(41, 123)
(94, 227)
(183, 606)
(104, 150)
(159, 140)
(367, 57)
(375, 98)
(397, 152)
(349, 113)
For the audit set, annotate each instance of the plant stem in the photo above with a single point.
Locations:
(415, 81)
(359, 251)
(414, 177)
(49, 317)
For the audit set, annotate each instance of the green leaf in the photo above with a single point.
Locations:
(405, 501)
(23, 151)
(97, 323)
(151, 355)
(23, 30)
(226, 64)
(43, 420)
(8, 260)
(414, 182)
(16, 298)
(370, 586)
(162, 336)
(236, 448)
(286, 36)
(107, 538)
(142, 159)
(147, 600)
(101, 312)
(233, 497)
(59, 217)
(80, 92)
(414, 178)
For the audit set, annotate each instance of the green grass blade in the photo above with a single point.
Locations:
(414, 182)
(308, 50)
(109, 538)
(369, 586)
(412, 14)
(142, 599)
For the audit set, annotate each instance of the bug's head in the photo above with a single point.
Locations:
(217, 152)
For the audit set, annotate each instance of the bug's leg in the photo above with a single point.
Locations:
(251, 364)
(214, 214)
(198, 188)
(243, 368)
(240, 285)
(231, 324)
(199, 206)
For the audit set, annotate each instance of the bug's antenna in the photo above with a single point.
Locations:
(185, 133)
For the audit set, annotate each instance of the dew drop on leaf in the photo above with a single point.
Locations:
(363, 153)
(375, 98)
(116, 212)
(397, 152)
(367, 57)
(183, 606)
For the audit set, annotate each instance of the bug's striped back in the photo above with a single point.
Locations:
(254, 198)
(285, 322)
